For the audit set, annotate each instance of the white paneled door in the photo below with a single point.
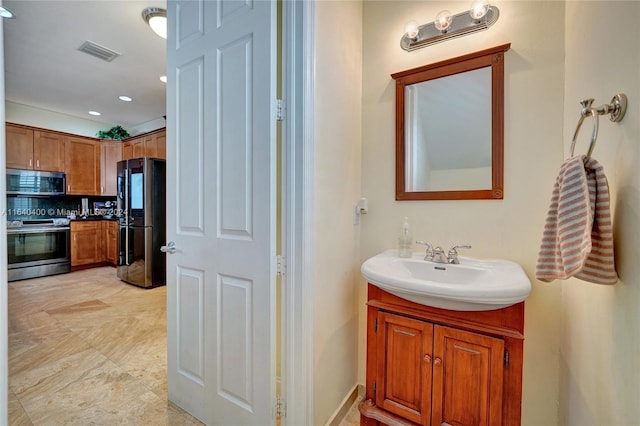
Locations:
(221, 209)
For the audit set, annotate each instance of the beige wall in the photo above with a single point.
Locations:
(600, 349)
(510, 228)
(32, 116)
(338, 83)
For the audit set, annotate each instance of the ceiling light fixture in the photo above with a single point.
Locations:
(125, 98)
(163, 78)
(96, 113)
(6, 13)
(480, 17)
(156, 18)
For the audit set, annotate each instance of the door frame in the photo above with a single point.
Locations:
(298, 181)
(298, 202)
(4, 297)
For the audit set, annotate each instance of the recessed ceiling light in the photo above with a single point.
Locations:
(6, 13)
(163, 78)
(125, 98)
(94, 113)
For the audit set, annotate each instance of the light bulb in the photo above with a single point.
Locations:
(411, 30)
(443, 20)
(479, 9)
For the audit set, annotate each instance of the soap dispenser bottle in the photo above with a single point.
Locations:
(405, 242)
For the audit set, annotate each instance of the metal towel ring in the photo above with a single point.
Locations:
(586, 112)
(616, 110)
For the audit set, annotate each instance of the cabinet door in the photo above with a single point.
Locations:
(150, 146)
(111, 242)
(138, 147)
(161, 145)
(19, 141)
(85, 243)
(127, 150)
(404, 367)
(467, 378)
(48, 151)
(82, 166)
(110, 154)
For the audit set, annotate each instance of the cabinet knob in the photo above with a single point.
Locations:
(437, 361)
(427, 358)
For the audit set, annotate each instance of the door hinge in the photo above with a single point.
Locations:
(280, 265)
(375, 325)
(374, 390)
(280, 109)
(506, 359)
(279, 408)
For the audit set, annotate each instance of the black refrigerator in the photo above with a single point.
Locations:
(141, 214)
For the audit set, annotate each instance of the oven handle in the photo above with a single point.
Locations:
(38, 231)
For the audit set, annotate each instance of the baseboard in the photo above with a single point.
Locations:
(343, 408)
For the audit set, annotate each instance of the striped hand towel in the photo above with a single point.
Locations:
(578, 235)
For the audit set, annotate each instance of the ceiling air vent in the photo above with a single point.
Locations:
(98, 51)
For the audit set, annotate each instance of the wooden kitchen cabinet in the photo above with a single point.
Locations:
(151, 144)
(110, 241)
(48, 151)
(433, 366)
(161, 144)
(19, 141)
(127, 150)
(34, 149)
(110, 154)
(86, 243)
(138, 147)
(82, 166)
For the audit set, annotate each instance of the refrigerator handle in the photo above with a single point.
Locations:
(126, 216)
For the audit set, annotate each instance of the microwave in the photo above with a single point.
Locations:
(33, 182)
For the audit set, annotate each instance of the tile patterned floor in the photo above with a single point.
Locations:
(87, 349)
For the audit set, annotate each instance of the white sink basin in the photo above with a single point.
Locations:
(472, 285)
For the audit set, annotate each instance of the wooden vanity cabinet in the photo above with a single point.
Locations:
(431, 366)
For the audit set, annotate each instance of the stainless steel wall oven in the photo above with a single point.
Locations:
(38, 247)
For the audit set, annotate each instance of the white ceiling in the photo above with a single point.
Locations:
(44, 69)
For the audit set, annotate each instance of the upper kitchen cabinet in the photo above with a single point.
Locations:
(110, 154)
(148, 145)
(82, 165)
(138, 147)
(161, 144)
(34, 149)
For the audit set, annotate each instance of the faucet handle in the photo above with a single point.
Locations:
(452, 256)
(429, 253)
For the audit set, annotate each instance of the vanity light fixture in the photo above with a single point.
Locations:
(156, 18)
(481, 16)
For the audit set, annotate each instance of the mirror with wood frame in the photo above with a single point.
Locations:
(450, 128)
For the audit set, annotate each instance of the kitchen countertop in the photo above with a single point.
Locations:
(93, 218)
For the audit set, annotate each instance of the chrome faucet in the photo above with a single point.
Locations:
(437, 254)
(452, 256)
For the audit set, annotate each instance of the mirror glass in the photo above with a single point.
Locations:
(449, 128)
